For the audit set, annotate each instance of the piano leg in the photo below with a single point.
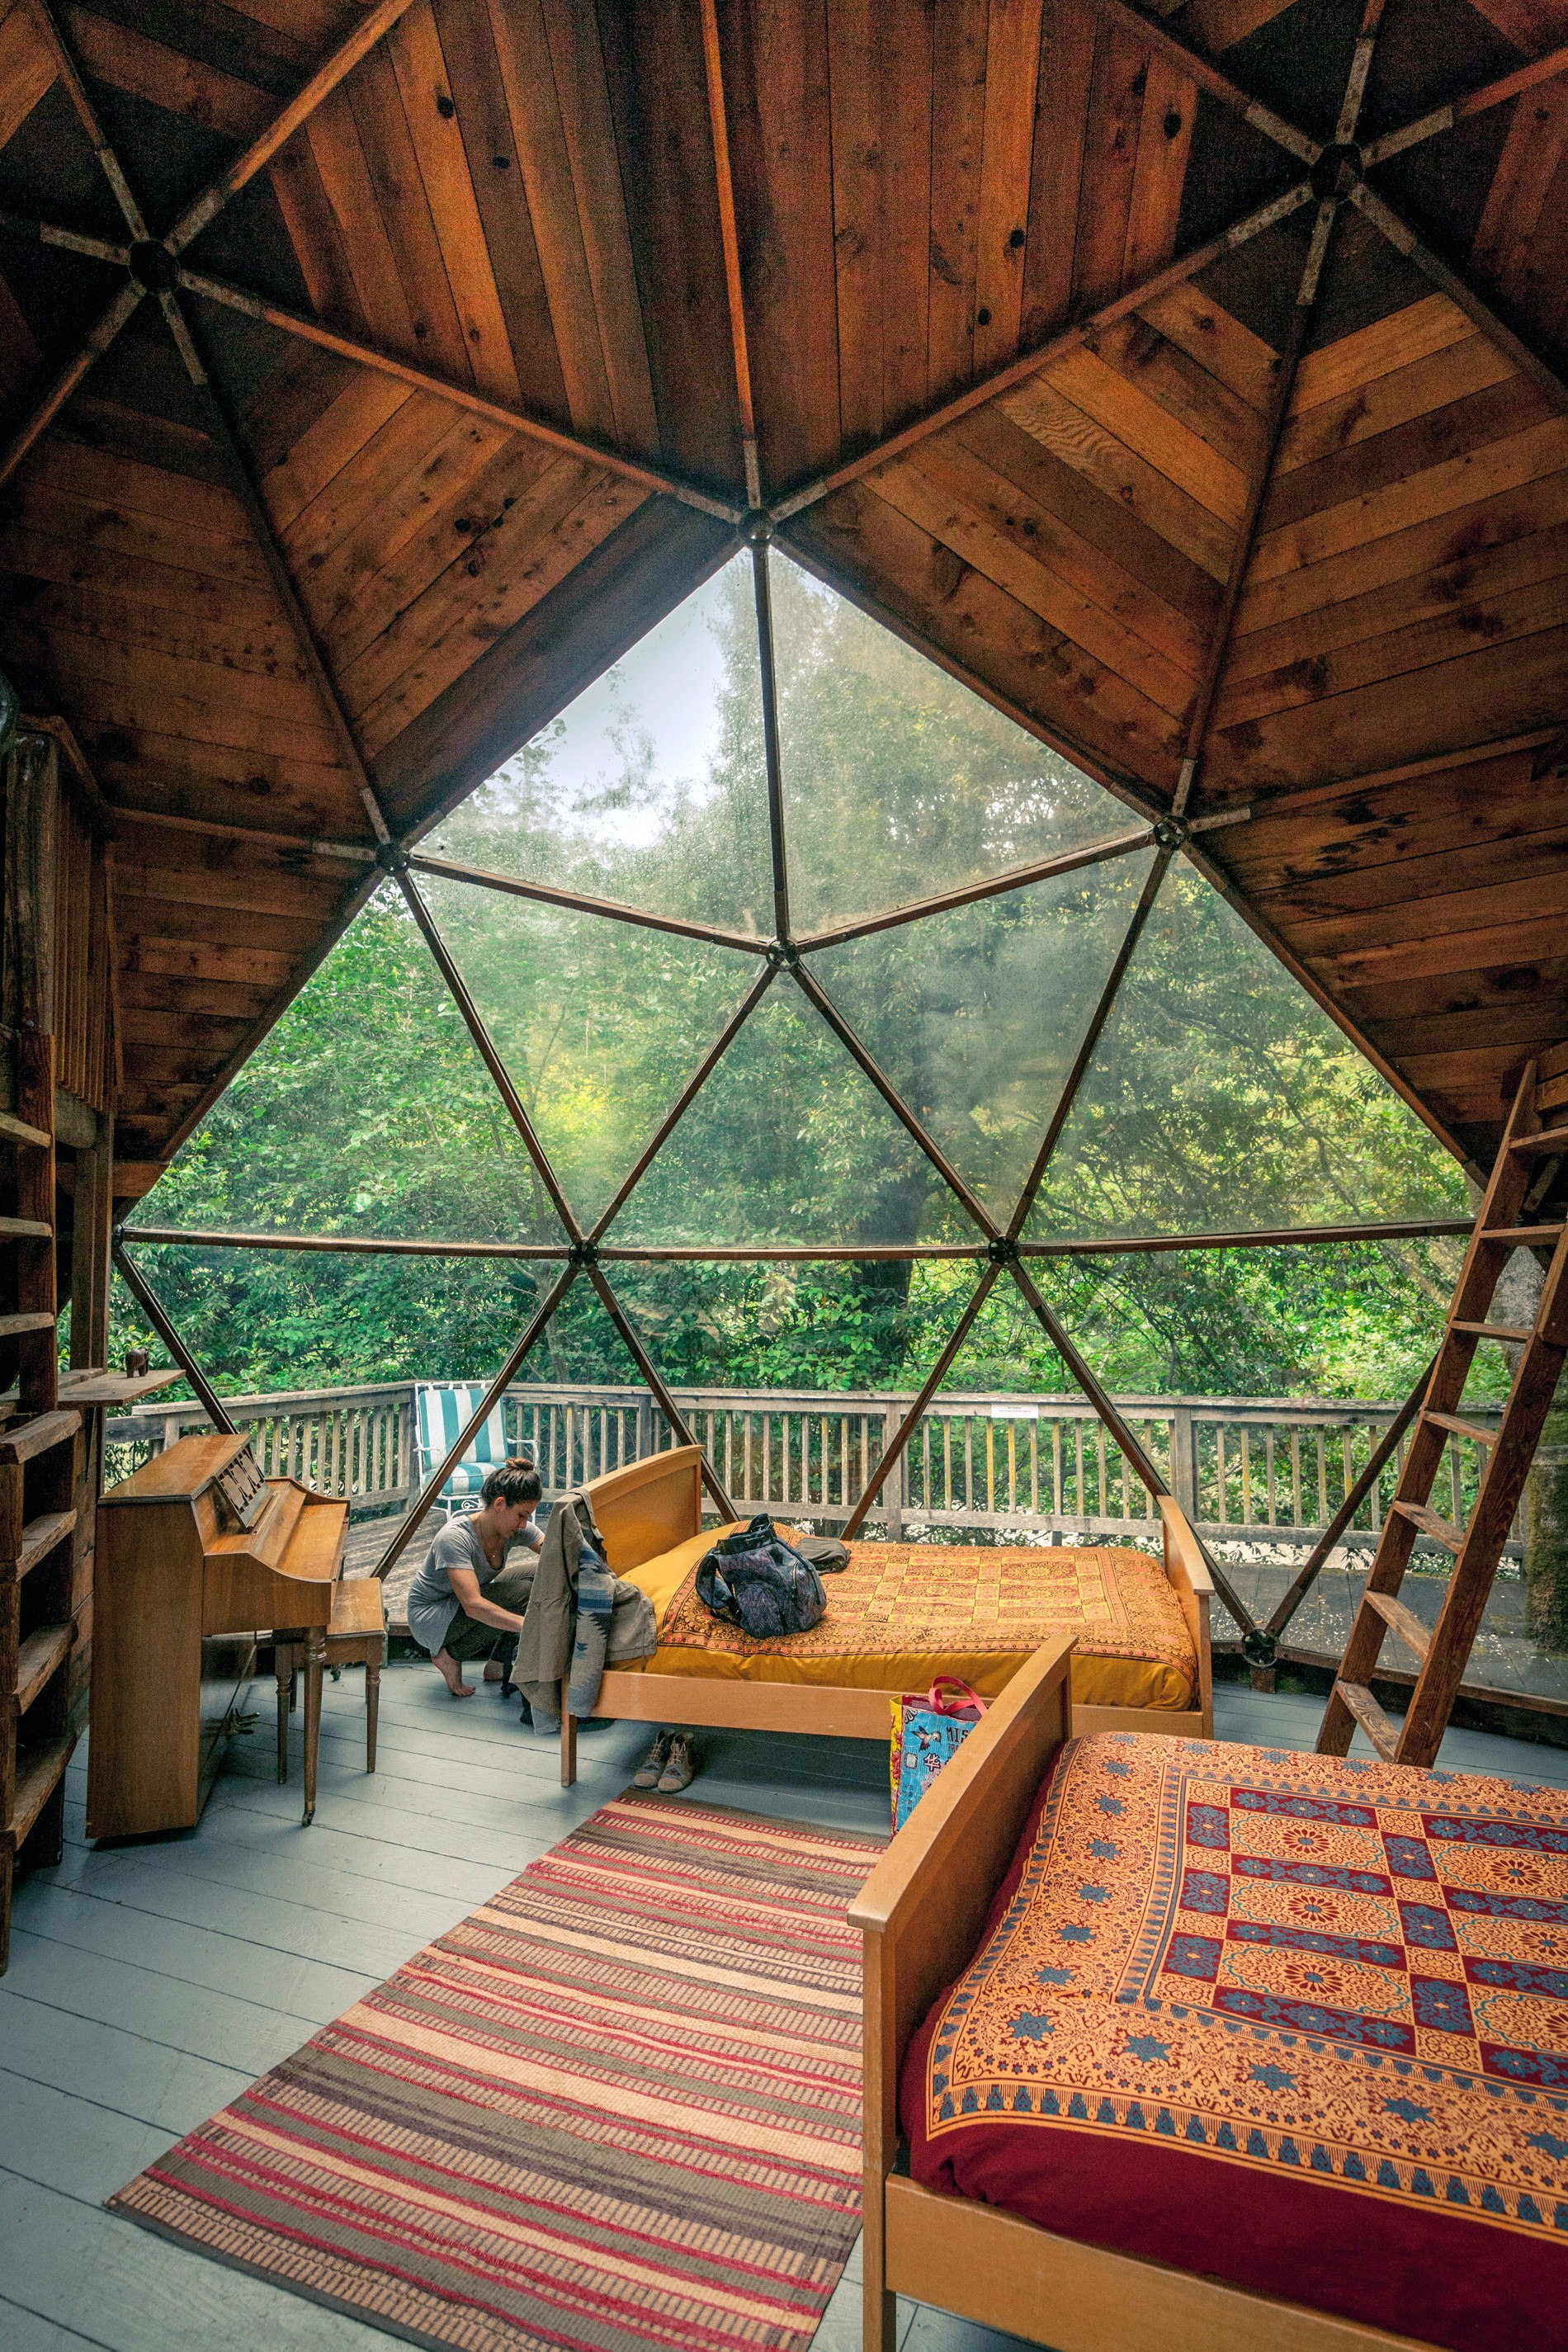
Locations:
(372, 1707)
(285, 1664)
(315, 1659)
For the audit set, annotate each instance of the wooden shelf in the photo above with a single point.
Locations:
(40, 1536)
(25, 1229)
(39, 1436)
(38, 1773)
(17, 1130)
(12, 1327)
(95, 1386)
(42, 1655)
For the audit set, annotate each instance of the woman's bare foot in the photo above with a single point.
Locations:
(451, 1674)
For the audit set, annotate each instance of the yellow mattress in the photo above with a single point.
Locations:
(901, 1613)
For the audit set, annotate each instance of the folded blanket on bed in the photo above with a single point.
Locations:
(1296, 2022)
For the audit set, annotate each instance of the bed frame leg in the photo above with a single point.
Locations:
(568, 1742)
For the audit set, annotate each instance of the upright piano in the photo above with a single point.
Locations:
(197, 1554)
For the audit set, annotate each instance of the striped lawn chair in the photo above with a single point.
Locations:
(440, 1411)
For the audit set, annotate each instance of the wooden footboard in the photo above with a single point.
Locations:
(921, 1912)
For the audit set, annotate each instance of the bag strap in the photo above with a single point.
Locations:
(969, 1697)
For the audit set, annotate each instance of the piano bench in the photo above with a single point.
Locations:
(354, 1636)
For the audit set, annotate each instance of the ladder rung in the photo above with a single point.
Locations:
(1402, 1621)
(39, 1538)
(25, 1229)
(1432, 1524)
(1523, 1234)
(1463, 1428)
(13, 1326)
(1379, 1728)
(1551, 1138)
(39, 1436)
(1505, 1331)
(17, 1130)
(42, 1655)
(38, 1774)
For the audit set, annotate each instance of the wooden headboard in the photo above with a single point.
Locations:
(648, 1506)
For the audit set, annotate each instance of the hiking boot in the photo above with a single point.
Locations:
(679, 1768)
(653, 1763)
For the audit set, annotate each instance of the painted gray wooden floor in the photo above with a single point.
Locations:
(149, 1985)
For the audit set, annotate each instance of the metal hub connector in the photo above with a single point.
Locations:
(1337, 171)
(153, 266)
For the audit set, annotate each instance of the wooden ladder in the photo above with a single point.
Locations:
(1523, 1208)
(38, 1446)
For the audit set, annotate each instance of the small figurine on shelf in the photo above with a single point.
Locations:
(137, 1361)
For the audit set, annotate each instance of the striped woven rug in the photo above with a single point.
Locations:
(618, 2106)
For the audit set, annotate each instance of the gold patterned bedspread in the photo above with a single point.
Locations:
(903, 1612)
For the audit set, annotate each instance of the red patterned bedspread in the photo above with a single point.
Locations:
(1295, 2021)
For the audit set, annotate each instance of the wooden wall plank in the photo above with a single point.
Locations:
(541, 143)
(957, 157)
(1465, 366)
(1507, 246)
(1144, 423)
(367, 402)
(1007, 140)
(1187, 390)
(1469, 699)
(862, 172)
(315, 235)
(413, 49)
(368, 477)
(1060, 490)
(362, 236)
(403, 206)
(1460, 586)
(1111, 157)
(944, 495)
(69, 558)
(478, 92)
(1164, 139)
(1501, 465)
(1406, 451)
(578, 65)
(1217, 339)
(1398, 341)
(1462, 807)
(1075, 437)
(1061, 114)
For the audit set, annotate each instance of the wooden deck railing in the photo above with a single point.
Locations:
(1274, 1469)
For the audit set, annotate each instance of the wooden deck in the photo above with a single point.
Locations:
(151, 1984)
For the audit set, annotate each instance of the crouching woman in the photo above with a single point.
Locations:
(469, 1600)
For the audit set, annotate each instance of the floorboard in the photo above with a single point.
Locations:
(151, 1982)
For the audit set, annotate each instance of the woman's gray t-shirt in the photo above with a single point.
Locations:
(432, 1604)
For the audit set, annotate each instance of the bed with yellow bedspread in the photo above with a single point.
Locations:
(901, 1613)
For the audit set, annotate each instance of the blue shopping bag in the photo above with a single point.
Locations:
(927, 1729)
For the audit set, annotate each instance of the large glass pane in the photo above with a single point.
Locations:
(600, 1023)
(650, 788)
(976, 1016)
(1222, 1099)
(366, 1111)
(276, 1322)
(788, 1141)
(899, 781)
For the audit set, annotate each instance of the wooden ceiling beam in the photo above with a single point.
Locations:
(1461, 293)
(86, 356)
(334, 69)
(729, 241)
(75, 91)
(1208, 78)
(1445, 117)
(418, 379)
(1247, 530)
(1055, 346)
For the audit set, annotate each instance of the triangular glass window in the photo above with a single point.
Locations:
(789, 1141)
(366, 1111)
(900, 783)
(650, 788)
(269, 1322)
(1222, 1099)
(976, 1016)
(600, 1023)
